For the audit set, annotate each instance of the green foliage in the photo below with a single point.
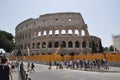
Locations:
(106, 49)
(111, 48)
(6, 41)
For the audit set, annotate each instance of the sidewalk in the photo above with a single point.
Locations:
(15, 75)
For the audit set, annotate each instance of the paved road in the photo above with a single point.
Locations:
(42, 73)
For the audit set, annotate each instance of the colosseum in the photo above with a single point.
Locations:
(45, 34)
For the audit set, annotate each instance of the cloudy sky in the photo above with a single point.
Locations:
(101, 16)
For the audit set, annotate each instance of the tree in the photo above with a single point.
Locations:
(106, 49)
(111, 48)
(6, 41)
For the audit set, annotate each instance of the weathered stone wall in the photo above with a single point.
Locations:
(46, 33)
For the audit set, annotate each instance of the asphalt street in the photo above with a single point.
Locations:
(42, 73)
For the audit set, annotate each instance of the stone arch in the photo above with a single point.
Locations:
(56, 45)
(45, 33)
(50, 32)
(70, 31)
(76, 32)
(77, 44)
(39, 33)
(70, 44)
(44, 45)
(33, 45)
(38, 45)
(83, 44)
(63, 31)
(83, 32)
(56, 31)
(63, 44)
(49, 44)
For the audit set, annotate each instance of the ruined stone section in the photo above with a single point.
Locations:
(45, 34)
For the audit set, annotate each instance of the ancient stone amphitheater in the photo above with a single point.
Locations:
(45, 34)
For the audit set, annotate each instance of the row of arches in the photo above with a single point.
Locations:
(62, 32)
(56, 44)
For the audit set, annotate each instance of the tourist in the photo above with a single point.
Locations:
(28, 66)
(5, 70)
(32, 67)
(50, 64)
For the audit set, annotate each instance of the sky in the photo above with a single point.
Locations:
(101, 16)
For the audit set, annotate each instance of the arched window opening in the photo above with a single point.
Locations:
(44, 33)
(70, 31)
(44, 45)
(83, 33)
(84, 44)
(38, 45)
(63, 44)
(50, 32)
(69, 19)
(70, 44)
(63, 32)
(39, 33)
(33, 45)
(50, 45)
(56, 44)
(77, 44)
(76, 32)
(56, 31)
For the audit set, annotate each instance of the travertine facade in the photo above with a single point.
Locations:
(46, 33)
(116, 42)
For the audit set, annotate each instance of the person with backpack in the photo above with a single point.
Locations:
(5, 70)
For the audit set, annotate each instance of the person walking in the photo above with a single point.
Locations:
(28, 66)
(50, 64)
(32, 67)
(5, 70)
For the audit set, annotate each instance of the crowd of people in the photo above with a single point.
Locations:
(85, 64)
(30, 67)
(6, 67)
